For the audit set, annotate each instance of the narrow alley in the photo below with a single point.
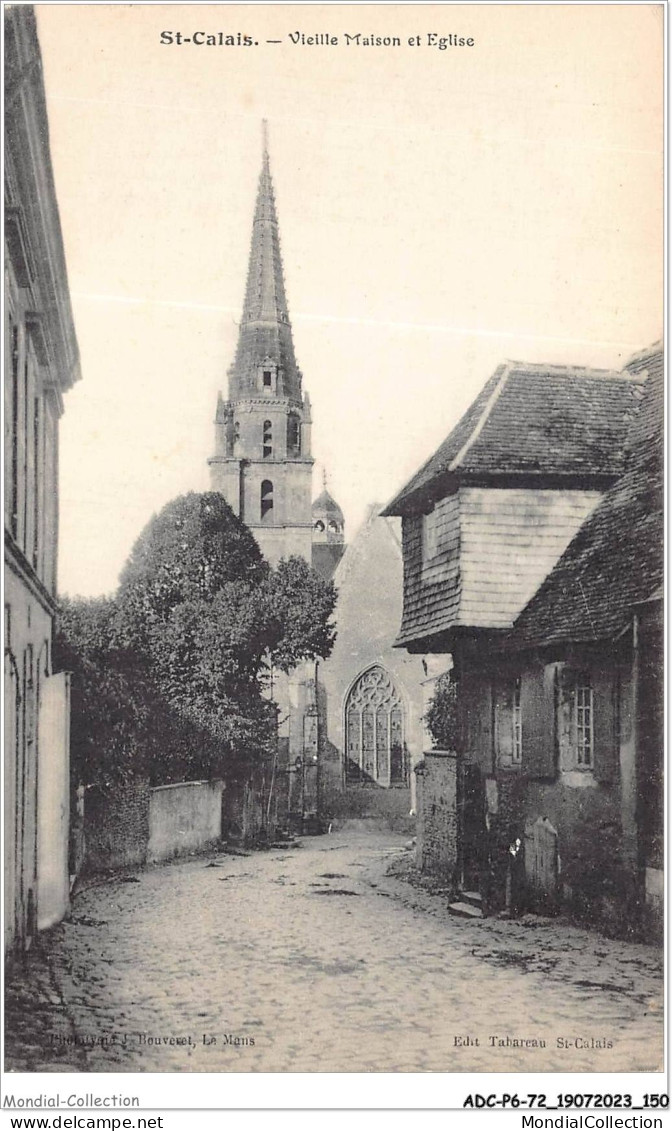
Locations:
(314, 958)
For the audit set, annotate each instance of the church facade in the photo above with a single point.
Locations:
(372, 695)
(263, 466)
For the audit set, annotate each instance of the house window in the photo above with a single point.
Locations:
(14, 498)
(333, 527)
(575, 719)
(268, 379)
(27, 470)
(429, 535)
(37, 472)
(319, 526)
(268, 439)
(267, 501)
(583, 706)
(236, 434)
(517, 724)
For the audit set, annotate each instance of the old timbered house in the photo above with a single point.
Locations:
(589, 648)
(485, 520)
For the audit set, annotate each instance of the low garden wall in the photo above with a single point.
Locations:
(183, 818)
(134, 824)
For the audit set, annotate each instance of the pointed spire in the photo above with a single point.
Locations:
(265, 335)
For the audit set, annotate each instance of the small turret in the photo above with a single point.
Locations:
(328, 532)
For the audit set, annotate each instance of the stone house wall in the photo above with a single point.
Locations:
(437, 849)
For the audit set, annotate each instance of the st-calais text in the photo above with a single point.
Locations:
(207, 39)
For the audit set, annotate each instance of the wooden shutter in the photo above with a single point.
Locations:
(605, 745)
(537, 703)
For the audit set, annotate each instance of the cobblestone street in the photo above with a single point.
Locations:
(312, 958)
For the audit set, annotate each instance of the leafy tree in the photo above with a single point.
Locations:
(121, 725)
(169, 676)
(109, 718)
(303, 604)
(209, 615)
(441, 717)
(188, 552)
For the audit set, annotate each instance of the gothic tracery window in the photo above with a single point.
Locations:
(374, 726)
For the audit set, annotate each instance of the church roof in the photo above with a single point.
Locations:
(265, 333)
(533, 420)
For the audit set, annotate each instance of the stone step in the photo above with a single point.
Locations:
(465, 910)
(473, 897)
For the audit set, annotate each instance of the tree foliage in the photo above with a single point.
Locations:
(121, 726)
(188, 552)
(171, 674)
(108, 717)
(441, 717)
(302, 606)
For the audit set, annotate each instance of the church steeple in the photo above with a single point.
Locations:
(265, 345)
(262, 462)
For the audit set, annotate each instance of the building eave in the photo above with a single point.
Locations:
(447, 483)
(446, 639)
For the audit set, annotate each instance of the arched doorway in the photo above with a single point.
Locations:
(374, 729)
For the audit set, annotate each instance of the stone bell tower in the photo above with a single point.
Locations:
(262, 462)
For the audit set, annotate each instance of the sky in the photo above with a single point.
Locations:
(440, 211)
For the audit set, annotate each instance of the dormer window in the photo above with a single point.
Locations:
(267, 377)
(267, 439)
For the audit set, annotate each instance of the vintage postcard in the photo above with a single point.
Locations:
(334, 550)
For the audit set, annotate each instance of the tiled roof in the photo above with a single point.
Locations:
(539, 420)
(615, 561)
